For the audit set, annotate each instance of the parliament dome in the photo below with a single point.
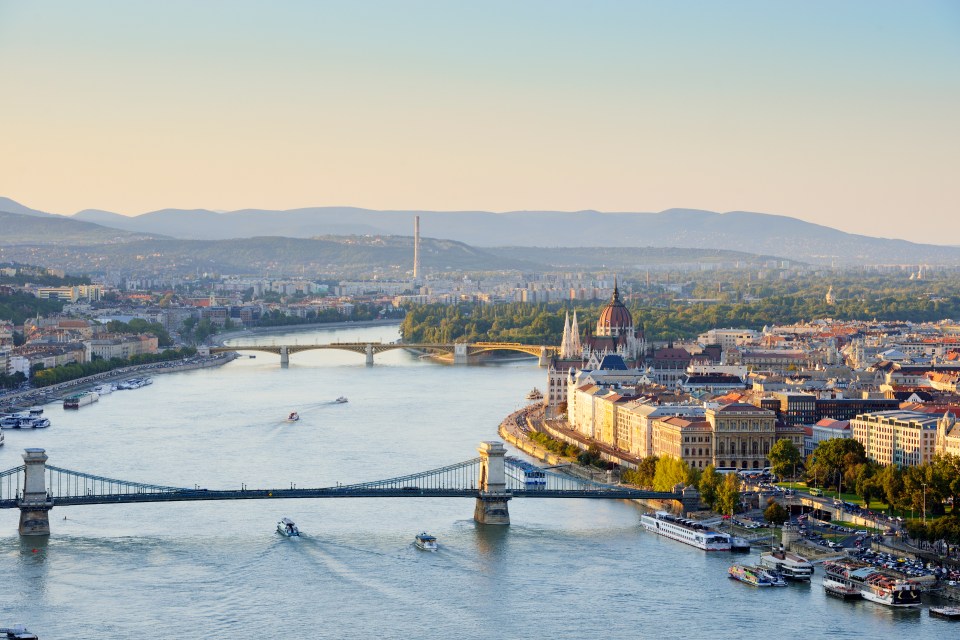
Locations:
(615, 318)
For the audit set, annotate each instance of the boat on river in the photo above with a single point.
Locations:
(755, 575)
(948, 613)
(340, 400)
(288, 527)
(789, 565)
(105, 388)
(293, 417)
(80, 400)
(687, 531)
(875, 586)
(535, 394)
(426, 542)
(840, 590)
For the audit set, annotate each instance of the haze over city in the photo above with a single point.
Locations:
(842, 114)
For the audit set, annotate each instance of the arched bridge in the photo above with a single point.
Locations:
(461, 352)
(491, 479)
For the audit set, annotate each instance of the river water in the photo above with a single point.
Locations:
(562, 569)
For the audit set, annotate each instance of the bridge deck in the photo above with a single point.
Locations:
(336, 492)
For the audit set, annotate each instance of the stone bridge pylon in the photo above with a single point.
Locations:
(35, 503)
(492, 502)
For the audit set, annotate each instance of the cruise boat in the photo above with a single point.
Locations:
(287, 527)
(756, 576)
(340, 400)
(80, 400)
(535, 394)
(789, 565)
(30, 422)
(873, 585)
(12, 421)
(686, 531)
(36, 411)
(293, 417)
(426, 541)
(104, 389)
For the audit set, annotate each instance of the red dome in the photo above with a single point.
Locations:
(615, 317)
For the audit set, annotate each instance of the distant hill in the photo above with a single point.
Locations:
(757, 233)
(632, 258)
(343, 256)
(754, 233)
(48, 229)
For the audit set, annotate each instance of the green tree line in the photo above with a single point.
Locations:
(73, 371)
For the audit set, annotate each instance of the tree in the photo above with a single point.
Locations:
(831, 459)
(784, 457)
(646, 470)
(709, 485)
(728, 494)
(775, 513)
(670, 472)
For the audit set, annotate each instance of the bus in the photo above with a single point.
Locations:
(816, 492)
(726, 470)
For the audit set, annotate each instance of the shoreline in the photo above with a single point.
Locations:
(220, 338)
(56, 392)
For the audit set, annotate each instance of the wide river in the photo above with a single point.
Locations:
(562, 569)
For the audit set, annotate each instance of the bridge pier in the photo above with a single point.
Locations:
(35, 504)
(689, 499)
(369, 351)
(284, 357)
(544, 359)
(491, 506)
(460, 353)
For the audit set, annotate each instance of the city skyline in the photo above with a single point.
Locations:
(841, 115)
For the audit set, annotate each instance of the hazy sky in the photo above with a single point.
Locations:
(842, 113)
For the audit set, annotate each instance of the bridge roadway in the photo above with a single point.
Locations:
(192, 495)
(462, 352)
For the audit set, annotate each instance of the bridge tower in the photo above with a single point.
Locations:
(369, 351)
(460, 353)
(544, 359)
(284, 357)
(491, 505)
(35, 504)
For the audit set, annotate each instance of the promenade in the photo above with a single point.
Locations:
(43, 395)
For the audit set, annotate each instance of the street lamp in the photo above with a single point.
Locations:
(924, 502)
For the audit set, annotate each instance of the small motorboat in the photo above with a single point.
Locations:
(426, 541)
(293, 417)
(340, 400)
(287, 527)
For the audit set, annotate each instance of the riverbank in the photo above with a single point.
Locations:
(44, 395)
(220, 338)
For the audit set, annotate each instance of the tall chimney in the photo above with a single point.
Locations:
(416, 248)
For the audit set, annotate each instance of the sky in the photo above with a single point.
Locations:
(845, 114)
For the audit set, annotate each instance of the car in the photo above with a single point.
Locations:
(862, 532)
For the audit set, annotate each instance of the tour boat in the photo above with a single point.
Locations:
(686, 531)
(755, 575)
(426, 541)
(12, 421)
(535, 394)
(340, 400)
(80, 400)
(293, 417)
(287, 527)
(36, 411)
(874, 585)
(789, 565)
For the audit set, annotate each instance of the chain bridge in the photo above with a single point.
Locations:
(461, 352)
(492, 479)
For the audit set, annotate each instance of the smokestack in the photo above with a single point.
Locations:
(416, 248)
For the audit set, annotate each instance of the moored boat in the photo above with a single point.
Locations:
(840, 590)
(104, 389)
(288, 527)
(686, 531)
(426, 541)
(789, 565)
(80, 400)
(874, 585)
(756, 576)
(740, 545)
(948, 613)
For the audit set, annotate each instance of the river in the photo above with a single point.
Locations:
(562, 569)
